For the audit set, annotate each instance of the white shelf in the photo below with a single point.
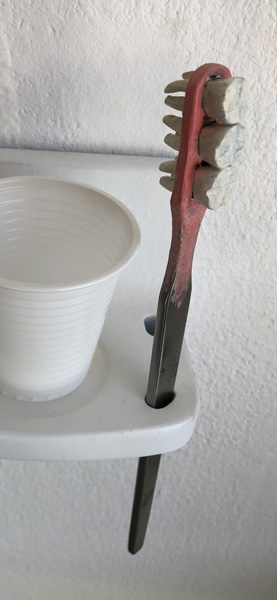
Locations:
(106, 417)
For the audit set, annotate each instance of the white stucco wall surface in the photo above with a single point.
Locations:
(88, 76)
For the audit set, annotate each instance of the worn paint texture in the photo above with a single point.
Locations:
(89, 76)
(186, 213)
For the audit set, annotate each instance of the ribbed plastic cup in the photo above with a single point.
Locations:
(62, 248)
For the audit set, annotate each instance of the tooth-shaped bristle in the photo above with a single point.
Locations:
(173, 141)
(224, 100)
(176, 86)
(167, 183)
(211, 187)
(176, 102)
(168, 167)
(187, 75)
(220, 145)
(173, 122)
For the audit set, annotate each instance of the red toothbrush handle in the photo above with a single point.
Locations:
(186, 213)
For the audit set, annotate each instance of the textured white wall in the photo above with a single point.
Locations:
(84, 75)
(89, 75)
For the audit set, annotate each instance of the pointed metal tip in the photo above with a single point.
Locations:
(148, 467)
(134, 548)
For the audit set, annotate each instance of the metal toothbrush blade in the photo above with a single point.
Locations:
(168, 338)
(167, 344)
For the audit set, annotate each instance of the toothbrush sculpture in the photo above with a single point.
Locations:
(209, 139)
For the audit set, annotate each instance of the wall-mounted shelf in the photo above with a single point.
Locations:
(106, 417)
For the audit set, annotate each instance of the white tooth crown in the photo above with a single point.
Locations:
(176, 86)
(168, 167)
(187, 75)
(224, 100)
(173, 141)
(173, 122)
(176, 102)
(167, 183)
(211, 187)
(221, 145)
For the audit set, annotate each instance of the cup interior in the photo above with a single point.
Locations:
(59, 234)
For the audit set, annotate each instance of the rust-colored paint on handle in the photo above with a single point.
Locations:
(187, 214)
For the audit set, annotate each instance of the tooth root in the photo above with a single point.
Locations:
(211, 187)
(176, 102)
(167, 183)
(224, 100)
(173, 141)
(173, 122)
(176, 86)
(221, 145)
(168, 167)
(187, 75)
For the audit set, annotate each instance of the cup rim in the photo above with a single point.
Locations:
(106, 274)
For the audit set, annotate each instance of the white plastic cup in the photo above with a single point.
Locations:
(62, 247)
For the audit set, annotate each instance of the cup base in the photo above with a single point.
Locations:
(41, 396)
